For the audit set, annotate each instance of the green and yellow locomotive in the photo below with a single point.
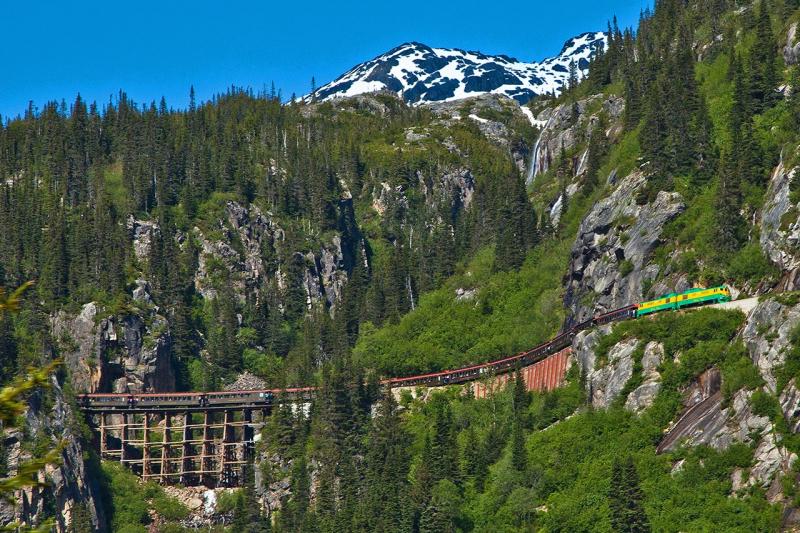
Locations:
(689, 298)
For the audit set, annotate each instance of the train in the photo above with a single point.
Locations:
(690, 298)
(266, 397)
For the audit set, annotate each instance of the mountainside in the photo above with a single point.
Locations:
(418, 73)
(248, 241)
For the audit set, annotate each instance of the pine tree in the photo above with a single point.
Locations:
(705, 150)
(81, 519)
(435, 520)
(247, 516)
(520, 402)
(730, 226)
(54, 279)
(386, 499)
(224, 349)
(625, 499)
(762, 67)
(8, 347)
(794, 96)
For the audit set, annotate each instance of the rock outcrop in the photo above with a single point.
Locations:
(791, 50)
(643, 396)
(560, 125)
(767, 335)
(50, 419)
(250, 246)
(143, 232)
(609, 264)
(780, 226)
(118, 353)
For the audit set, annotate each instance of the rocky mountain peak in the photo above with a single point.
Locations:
(419, 73)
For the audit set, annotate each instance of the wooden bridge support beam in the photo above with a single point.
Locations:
(123, 438)
(206, 446)
(205, 455)
(186, 448)
(146, 446)
(165, 448)
(225, 455)
(103, 444)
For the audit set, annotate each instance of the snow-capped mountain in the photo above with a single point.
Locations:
(419, 73)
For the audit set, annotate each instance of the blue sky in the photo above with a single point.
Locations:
(53, 50)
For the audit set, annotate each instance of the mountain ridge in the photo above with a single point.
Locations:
(419, 73)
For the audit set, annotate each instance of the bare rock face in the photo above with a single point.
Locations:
(769, 459)
(453, 189)
(780, 225)
(643, 396)
(584, 347)
(767, 335)
(251, 249)
(607, 382)
(331, 270)
(69, 483)
(82, 342)
(790, 405)
(119, 353)
(791, 51)
(146, 358)
(711, 423)
(610, 258)
(484, 111)
(560, 126)
(143, 232)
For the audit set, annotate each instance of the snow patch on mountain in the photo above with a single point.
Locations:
(419, 73)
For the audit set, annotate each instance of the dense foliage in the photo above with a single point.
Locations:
(452, 462)
(431, 283)
(76, 179)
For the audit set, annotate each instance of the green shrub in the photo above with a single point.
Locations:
(750, 264)
(625, 267)
(130, 509)
(169, 508)
(738, 372)
(131, 500)
(764, 404)
(226, 501)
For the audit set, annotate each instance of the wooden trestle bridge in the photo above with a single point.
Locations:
(206, 438)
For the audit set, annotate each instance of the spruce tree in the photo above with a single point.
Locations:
(520, 402)
(386, 500)
(625, 499)
(763, 70)
(247, 516)
(435, 520)
(81, 519)
(731, 228)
